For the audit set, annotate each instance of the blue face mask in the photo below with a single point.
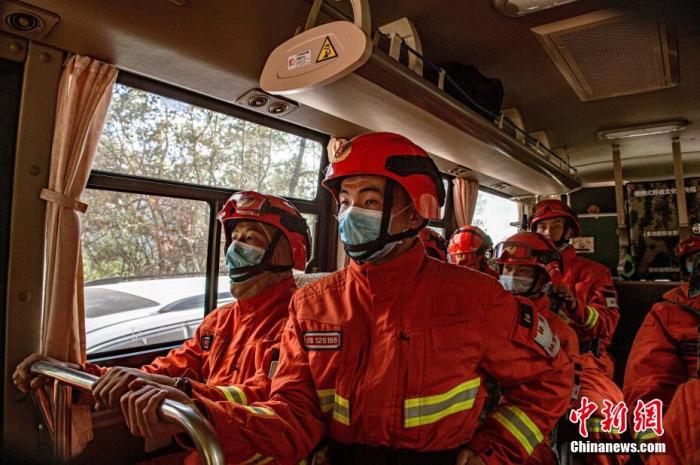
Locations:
(241, 255)
(359, 226)
(516, 284)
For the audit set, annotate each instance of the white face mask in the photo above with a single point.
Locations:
(516, 284)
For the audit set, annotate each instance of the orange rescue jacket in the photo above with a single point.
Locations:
(396, 355)
(664, 353)
(682, 428)
(237, 343)
(593, 287)
(233, 353)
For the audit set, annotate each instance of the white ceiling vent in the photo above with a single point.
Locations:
(611, 53)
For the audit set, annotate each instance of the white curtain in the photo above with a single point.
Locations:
(464, 193)
(84, 94)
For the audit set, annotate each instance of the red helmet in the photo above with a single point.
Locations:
(531, 248)
(468, 246)
(554, 208)
(396, 158)
(272, 210)
(435, 245)
(688, 246)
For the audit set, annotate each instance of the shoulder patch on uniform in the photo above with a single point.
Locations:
(546, 338)
(525, 315)
(322, 340)
(205, 341)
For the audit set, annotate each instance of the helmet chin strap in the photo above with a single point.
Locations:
(247, 272)
(533, 292)
(385, 237)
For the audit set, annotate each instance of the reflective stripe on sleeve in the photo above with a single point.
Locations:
(517, 423)
(257, 459)
(326, 399)
(260, 410)
(594, 425)
(420, 411)
(234, 394)
(644, 436)
(341, 410)
(592, 318)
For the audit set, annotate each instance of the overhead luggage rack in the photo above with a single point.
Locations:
(385, 95)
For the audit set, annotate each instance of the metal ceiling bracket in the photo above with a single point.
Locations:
(404, 30)
(683, 230)
(625, 266)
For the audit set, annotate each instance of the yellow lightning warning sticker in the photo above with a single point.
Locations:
(327, 51)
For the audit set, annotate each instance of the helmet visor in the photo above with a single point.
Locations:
(250, 203)
(470, 259)
(514, 252)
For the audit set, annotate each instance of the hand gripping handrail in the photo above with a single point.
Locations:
(196, 426)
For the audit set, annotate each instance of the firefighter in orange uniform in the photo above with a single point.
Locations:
(531, 267)
(664, 354)
(471, 247)
(588, 301)
(234, 352)
(388, 356)
(588, 292)
(435, 245)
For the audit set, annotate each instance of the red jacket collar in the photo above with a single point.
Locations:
(277, 295)
(399, 270)
(568, 253)
(679, 295)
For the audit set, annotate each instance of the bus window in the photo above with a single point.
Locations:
(142, 255)
(150, 135)
(162, 170)
(494, 214)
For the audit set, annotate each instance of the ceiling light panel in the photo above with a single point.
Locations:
(516, 8)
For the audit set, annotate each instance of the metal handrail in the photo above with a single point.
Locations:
(197, 427)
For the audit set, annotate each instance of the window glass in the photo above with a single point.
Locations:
(144, 262)
(438, 230)
(446, 183)
(149, 135)
(494, 214)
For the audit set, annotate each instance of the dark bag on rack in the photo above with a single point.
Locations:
(487, 93)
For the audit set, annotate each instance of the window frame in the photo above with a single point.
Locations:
(448, 221)
(215, 197)
(502, 195)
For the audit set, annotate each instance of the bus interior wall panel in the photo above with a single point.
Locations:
(602, 197)
(11, 85)
(42, 71)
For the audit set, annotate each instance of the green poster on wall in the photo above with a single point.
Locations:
(653, 220)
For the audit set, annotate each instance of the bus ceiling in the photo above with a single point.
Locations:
(383, 94)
